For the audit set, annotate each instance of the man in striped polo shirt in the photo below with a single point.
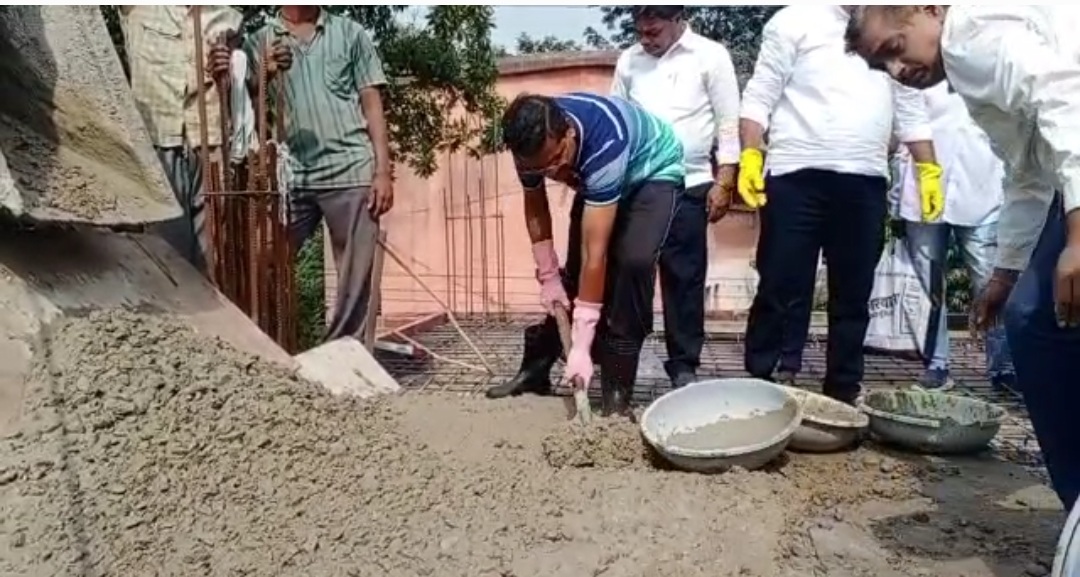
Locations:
(626, 166)
(337, 135)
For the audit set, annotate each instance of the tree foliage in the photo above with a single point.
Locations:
(529, 45)
(591, 40)
(443, 64)
(737, 27)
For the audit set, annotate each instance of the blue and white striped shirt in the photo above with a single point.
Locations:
(620, 147)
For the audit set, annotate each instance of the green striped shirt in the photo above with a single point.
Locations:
(325, 125)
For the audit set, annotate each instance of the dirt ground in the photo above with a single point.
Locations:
(147, 451)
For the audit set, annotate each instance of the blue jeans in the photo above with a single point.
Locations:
(928, 244)
(1048, 360)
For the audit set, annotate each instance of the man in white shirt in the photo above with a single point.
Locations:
(1018, 70)
(689, 81)
(829, 119)
(973, 194)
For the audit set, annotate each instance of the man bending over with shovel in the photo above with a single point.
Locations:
(626, 167)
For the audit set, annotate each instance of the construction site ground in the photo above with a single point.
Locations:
(501, 342)
(871, 512)
(144, 448)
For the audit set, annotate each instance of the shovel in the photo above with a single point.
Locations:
(580, 387)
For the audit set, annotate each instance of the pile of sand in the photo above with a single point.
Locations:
(148, 451)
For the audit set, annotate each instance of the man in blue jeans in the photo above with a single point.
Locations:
(973, 195)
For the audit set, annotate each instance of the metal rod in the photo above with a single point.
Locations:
(470, 263)
(449, 313)
(453, 232)
(446, 244)
(437, 356)
(501, 244)
(420, 322)
(204, 134)
(483, 237)
(375, 301)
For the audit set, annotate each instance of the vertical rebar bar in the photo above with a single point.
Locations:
(452, 223)
(470, 264)
(446, 242)
(204, 134)
(500, 236)
(484, 294)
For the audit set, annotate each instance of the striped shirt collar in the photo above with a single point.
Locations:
(278, 21)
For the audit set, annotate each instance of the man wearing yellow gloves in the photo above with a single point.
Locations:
(970, 218)
(829, 119)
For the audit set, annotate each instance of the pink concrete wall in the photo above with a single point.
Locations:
(461, 231)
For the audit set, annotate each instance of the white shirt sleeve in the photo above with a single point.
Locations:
(1032, 79)
(723, 88)
(776, 60)
(619, 83)
(1002, 60)
(911, 121)
(1020, 222)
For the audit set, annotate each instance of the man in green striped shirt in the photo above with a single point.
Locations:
(336, 133)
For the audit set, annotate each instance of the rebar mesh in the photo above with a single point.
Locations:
(722, 357)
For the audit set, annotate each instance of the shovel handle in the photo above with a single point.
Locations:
(562, 319)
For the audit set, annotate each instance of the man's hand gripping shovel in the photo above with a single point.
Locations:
(581, 408)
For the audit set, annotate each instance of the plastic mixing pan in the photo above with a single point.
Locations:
(1067, 559)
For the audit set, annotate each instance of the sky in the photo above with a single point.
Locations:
(563, 22)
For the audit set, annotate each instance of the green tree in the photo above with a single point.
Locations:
(737, 27)
(596, 40)
(528, 45)
(445, 64)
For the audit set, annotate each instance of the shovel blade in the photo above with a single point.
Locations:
(581, 404)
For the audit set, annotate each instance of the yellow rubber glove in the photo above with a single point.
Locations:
(931, 194)
(751, 183)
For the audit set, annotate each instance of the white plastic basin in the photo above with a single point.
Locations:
(712, 426)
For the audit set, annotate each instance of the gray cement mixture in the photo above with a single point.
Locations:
(146, 450)
(733, 433)
(70, 135)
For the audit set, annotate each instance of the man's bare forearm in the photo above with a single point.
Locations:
(597, 223)
(751, 134)
(537, 215)
(1073, 220)
(371, 100)
(726, 172)
(922, 151)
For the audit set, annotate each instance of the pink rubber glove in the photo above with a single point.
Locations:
(579, 360)
(547, 272)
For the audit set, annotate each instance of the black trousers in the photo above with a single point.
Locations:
(683, 264)
(796, 332)
(810, 211)
(641, 228)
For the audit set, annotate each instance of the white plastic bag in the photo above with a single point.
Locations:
(900, 308)
(243, 115)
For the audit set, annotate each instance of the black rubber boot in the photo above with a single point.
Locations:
(845, 394)
(534, 376)
(618, 373)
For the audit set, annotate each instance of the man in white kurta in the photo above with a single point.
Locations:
(1018, 70)
(972, 201)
